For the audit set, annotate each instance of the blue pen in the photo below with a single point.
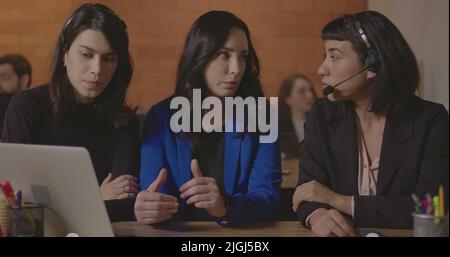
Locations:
(19, 198)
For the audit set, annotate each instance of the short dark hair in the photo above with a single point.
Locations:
(20, 65)
(398, 73)
(112, 100)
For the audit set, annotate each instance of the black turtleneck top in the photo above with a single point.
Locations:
(29, 120)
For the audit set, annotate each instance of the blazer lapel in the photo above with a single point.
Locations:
(343, 144)
(231, 159)
(398, 129)
(184, 159)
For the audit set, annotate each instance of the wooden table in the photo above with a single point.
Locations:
(212, 229)
(290, 172)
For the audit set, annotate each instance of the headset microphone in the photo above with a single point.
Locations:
(330, 89)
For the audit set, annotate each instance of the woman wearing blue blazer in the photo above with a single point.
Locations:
(229, 177)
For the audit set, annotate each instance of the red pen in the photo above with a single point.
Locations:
(430, 207)
(427, 206)
(8, 192)
(425, 203)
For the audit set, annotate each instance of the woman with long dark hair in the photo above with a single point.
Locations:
(296, 98)
(84, 103)
(229, 177)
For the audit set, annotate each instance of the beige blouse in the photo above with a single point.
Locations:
(367, 171)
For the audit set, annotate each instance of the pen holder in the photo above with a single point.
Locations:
(430, 226)
(26, 221)
(3, 216)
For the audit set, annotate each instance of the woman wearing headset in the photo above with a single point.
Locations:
(373, 142)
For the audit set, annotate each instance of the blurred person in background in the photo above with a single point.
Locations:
(296, 97)
(15, 76)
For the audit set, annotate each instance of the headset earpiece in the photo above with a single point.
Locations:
(371, 61)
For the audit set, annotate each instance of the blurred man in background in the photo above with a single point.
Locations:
(15, 76)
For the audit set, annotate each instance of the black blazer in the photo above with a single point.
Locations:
(289, 144)
(414, 159)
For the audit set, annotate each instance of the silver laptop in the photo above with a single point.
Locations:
(63, 178)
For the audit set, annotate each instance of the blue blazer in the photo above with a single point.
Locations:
(252, 170)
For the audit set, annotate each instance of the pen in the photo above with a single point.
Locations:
(19, 198)
(9, 192)
(442, 202)
(430, 208)
(425, 206)
(436, 206)
(417, 201)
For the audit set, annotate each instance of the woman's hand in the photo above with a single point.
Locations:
(330, 223)
(311, 191)
(122, 187)
(203, 192)
(151, 206)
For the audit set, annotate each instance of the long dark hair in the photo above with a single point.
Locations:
(206, 37)
(284, 110)
(398, 73)
(112, 100)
